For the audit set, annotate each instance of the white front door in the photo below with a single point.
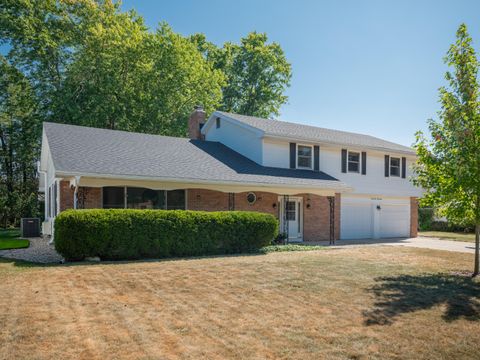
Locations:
(291, 213)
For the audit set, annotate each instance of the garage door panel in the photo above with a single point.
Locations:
(394, 221)
(356, 221)
(360, 219)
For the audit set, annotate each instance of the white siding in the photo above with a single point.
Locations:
(374, 182)
(276, 153)
(238, 138)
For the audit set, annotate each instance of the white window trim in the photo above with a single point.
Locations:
(359, 162)
(296, 158)
(399, 166)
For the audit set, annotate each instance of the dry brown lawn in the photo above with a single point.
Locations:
(363, 303)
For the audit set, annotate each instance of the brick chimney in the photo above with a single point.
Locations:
(195, 123)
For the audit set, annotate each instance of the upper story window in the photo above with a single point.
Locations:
(304, 157)
(217, 122)
(394, 166)
(353, 162)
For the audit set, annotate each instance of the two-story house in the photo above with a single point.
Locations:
(321, 184)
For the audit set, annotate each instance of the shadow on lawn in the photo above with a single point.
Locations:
(397, 295)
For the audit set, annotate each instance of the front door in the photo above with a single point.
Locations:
(291, 215)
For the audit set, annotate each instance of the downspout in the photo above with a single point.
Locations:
(75, 193)
(45, 192)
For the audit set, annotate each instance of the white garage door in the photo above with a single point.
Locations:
(394, 221)
(356, 221)
(368, 218)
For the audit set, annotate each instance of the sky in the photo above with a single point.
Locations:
(372, 67)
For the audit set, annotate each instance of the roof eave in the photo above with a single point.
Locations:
(313, 140)
(331, 185)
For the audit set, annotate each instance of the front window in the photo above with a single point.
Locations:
(142, 198)
(304, 156)
(394, 166)
(113, 197)
(353, 162)
(176, 200)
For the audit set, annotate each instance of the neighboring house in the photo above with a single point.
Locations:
(321, 184)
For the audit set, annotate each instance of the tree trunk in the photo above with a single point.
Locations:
(477, 251)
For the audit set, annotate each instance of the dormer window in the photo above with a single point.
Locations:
(394, 166)
(353, 162)
(217, 123)
(304, 157)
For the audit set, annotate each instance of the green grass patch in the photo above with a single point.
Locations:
(445, 235)
(290, 247)
(9, 240)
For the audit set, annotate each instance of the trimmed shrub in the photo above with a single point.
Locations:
(114, 234)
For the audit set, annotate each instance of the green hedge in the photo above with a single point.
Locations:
(134, 234)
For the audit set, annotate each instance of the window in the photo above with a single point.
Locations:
(290, 210)
(217, 122)
(142, 198)
(304, 156)
(113, 197)
(353, 162)
(394, 166)
(251, 198)
(176, 200)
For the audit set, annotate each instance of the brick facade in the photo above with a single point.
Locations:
(413, 217)
(316, 209)
(88, 197)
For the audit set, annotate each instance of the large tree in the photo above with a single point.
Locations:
(448, 165)
(257, 72)
(19, 145)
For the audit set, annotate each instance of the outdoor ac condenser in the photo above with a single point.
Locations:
(30, 227)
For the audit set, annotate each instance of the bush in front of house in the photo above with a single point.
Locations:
(114, 234)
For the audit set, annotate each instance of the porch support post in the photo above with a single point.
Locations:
(285, 219)
(231, 201)
(331, 200)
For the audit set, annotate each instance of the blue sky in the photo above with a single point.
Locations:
(366, 66)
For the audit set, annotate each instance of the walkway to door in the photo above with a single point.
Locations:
(419, 242)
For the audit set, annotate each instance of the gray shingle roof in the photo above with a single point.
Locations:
(84, 150)
(316, 134)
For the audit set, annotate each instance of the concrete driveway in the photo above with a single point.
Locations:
(419, 242)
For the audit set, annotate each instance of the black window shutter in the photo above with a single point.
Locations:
(344, 160)
(293, 150)
(404, 167)
(316, 158)
(387, 166)
(364, 163)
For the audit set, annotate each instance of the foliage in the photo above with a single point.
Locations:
(257, 74)
(448, 166)
(425, 218)
(86, 62)
(19, 145)
(290, 247)
(124, 77)
(134, 234)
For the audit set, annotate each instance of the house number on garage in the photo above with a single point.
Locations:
(376, 198)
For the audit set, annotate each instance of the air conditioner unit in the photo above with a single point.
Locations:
(30, 227)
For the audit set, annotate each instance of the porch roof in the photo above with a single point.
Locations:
(124, 156)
